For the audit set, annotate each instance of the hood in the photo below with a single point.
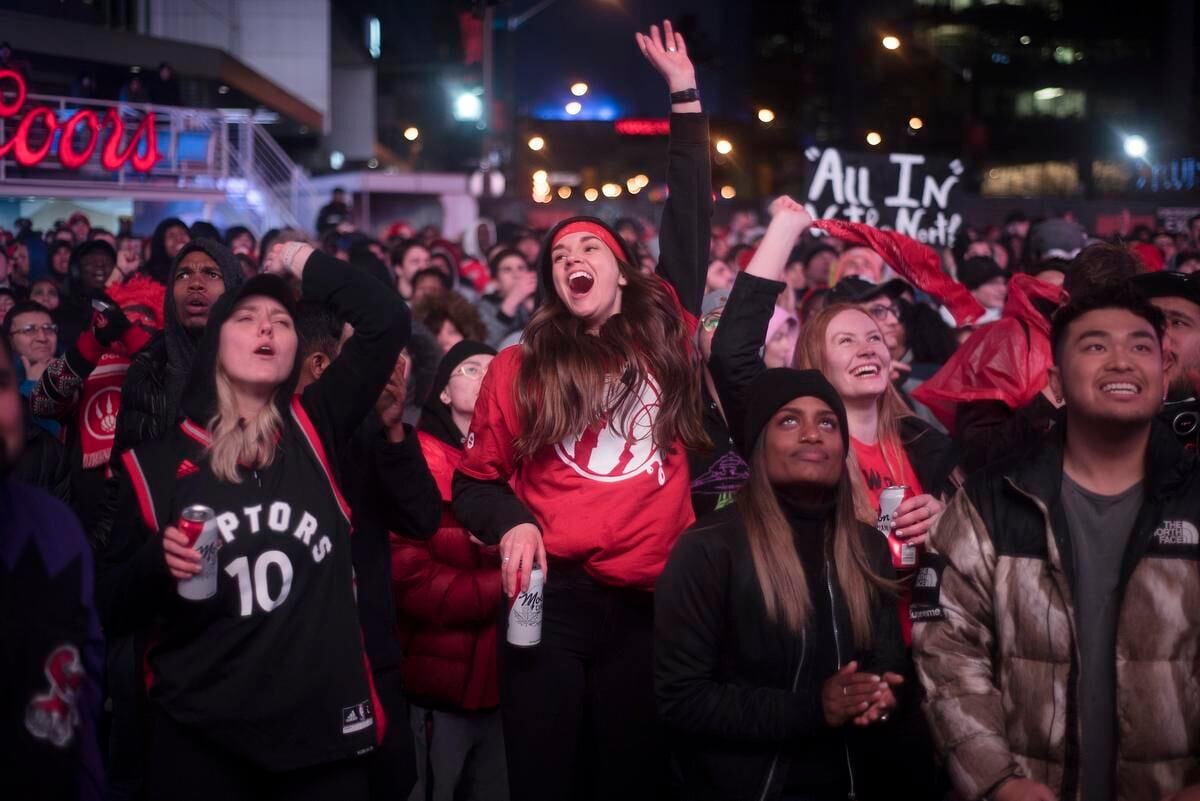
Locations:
(182, 344)
(199, 402)
(1033, 301)
(472, 245)
(543, 263)
(159, 263)
(436, 418)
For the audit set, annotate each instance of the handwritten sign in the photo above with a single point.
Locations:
(907, 192)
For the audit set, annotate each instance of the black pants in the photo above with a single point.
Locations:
(182, 766)
(578, 709)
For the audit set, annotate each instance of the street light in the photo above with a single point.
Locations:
(611, 190)
(724, 147)
(573, 108)
(728, 192)
(765, 115)
(633, 186)
(1136, 147)
(591, 194)
(536, 143)
(874, 139)
(916, 123)
(890, 42)
(540, 176)
(579, 89)
(411, 133)
(564, 192)
(468, 107)
(642, 180)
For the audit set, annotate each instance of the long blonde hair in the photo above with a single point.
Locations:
(237, 441)
(777, 564)
(810, 355)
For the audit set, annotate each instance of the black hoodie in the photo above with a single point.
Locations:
(156, 379)
(271, 667)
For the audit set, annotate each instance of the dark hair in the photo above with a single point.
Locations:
(22, 307)
(1184, 256)
(1098, 266)
(1195, 218)
(502, 254)
(318, 329)
(235, 231)
(55, 246)
(401, 250)
(434, 310)
(96, 233)
(203, 229)
(1108, 296)
(432, 272)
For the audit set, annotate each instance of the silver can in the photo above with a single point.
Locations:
(904, 554)
(199, 525)
(525, 616)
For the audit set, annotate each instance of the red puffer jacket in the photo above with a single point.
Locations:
(447, 598)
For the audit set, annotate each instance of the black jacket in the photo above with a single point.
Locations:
(155, 382)
(735, 362)
(741, 694)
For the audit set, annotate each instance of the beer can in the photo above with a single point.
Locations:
(904, 554)
(525, 616)
(199, 525)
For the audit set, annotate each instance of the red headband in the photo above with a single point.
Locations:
(598, 231)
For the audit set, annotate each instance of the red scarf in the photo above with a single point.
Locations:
(99, 403)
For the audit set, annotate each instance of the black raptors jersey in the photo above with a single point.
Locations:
(272, 667)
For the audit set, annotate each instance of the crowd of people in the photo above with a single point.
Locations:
(819, 512)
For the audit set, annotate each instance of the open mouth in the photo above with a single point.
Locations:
(580, 282)
(1120, 388)
(865, 371)
(264, 350)
(195, 304)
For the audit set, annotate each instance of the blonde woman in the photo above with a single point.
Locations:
(261, 690)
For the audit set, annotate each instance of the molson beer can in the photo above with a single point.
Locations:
(199, 525)
(525, 616)
(904, 554)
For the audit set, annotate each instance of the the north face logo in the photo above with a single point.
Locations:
(1177, 532)
(927, 577)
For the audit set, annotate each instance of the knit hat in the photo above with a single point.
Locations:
(714, 301)
(435, 415)
(855, 289)
(1057, 238)
(978, 270)
(774, 388)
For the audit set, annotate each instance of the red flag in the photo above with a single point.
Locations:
(916, 263)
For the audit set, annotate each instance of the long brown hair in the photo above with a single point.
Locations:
(566, 382)
(777, 564)
(810, 355)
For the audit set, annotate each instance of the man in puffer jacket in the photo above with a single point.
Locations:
(447, 600)
(1057, 612)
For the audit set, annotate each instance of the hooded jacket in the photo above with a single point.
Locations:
(995, 630)
(302, 693)
(156, 379)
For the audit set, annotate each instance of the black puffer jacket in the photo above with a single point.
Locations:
(742, 695)
(155, 382)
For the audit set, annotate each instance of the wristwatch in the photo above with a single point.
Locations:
(685, 96)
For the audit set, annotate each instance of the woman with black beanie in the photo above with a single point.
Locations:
(576, 463)
(778, 656)
(448, 595)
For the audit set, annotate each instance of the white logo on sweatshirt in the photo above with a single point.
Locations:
(622, 447)
(926, 577)
(1177, 532)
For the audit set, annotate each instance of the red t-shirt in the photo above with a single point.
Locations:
(877, 477)
(612, 500)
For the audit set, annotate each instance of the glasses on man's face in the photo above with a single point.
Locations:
(471, 371)
(882, 311)
(30, 330)
(711, 322)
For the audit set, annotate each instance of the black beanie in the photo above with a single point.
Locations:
(774, 388)
(436, 418)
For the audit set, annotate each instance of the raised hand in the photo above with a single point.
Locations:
(667, 53)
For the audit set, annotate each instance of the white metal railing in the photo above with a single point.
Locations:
(198, 150)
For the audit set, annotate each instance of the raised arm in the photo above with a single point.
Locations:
(686, 228)
(743, 330)
(340, 400)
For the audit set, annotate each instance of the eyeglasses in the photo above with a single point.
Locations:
(30, 330)
(471, 371)
(881, 312)
(711, 322)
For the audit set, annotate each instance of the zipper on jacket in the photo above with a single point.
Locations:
(837, 644)
(795, 683)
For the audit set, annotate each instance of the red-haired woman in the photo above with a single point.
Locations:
(577, 451)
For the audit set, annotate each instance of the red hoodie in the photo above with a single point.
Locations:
(447, 601)
(1005, 361)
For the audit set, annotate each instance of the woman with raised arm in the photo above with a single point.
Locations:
(575, 462)
(259, 684)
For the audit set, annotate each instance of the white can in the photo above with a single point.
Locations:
(203, 585)
(904, 554)
(525, 616)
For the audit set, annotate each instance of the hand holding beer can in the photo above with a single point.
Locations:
(525, 615)
(199, 525)
(904, 554)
